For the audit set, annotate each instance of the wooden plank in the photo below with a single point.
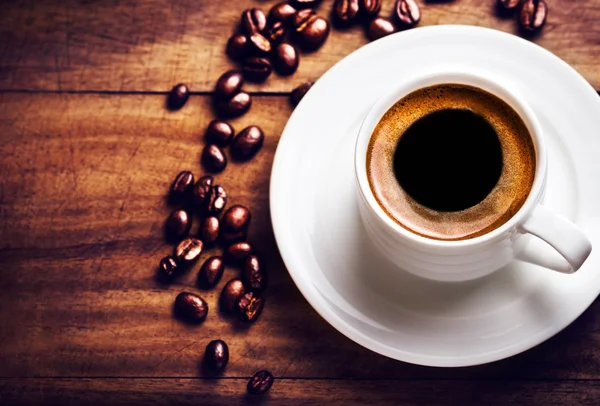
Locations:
(133, 45)
(295, 392)
(81, 214)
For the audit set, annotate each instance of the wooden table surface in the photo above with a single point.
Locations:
(87, 153)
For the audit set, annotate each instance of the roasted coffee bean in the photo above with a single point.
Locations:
(187, 251)
(168, 266)
(237, 47)
(229, 84)
(379, 28)
(299, 92)
(370, 8)
(407, 12)
(178, 96)
(509, 4)
(209, 230)
(259, 44)
(181, 187)
(201, 191)
(219, 133)
(254, 276)
(247, 143)
(236, 218)
(533, 15)
(236, 106)
(346, 11)
(253, 20)
(231, 293)
(286, 59)
(216, 355)
(281, 12)
(306, 3)
(211, 272)
(237, 252)
(276, 32)
(213, 158)
(257, 69)
(190, 307)
(178, 225)
(311, 30)
(215, 201)
(249, 307)
(260, 383)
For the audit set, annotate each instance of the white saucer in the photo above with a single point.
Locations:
(326, 251)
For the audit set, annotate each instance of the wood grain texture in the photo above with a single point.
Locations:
(135, 45)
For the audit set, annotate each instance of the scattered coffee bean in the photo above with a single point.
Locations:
(215, 201)
(407, 12)
(306, 3)
(249, 307)
(311, 30)
(260, 383)
(259, 45)
(209, 230)
(201, 191)
(236, 218)
(286, 59)
(216, 355)
(370, 8)
(231, 293)
(257, 69)
(213, 158)
(346, 11)
(237, 252)
(178, 225)
(281, 12)
(187, 251)
(168, 266)
(247, 143)
(178, 96)
(237, 47)
(190, 307)
(509, 4)
(533, 15)
(229, 84)
(379, 28)
(299, 92)
(253, 20)
(219, 133)
(236, 106)
(211, 272)
(181, 187)
(276, 32)
(254, 276)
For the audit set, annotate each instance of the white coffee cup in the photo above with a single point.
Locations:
(476, 257)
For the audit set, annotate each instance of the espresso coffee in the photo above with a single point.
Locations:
(451, 162)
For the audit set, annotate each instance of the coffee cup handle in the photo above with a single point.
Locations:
(560, 233)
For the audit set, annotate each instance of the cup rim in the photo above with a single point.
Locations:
(456, 75)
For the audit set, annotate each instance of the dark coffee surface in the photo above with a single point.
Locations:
(451, 162)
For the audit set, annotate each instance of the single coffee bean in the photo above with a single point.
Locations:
(306, 3)
(229, 84)
(254, 276)
(190, 307)
(181, 187)
(249, 307)
(259, 44)
(247, 143)
(286, 59)
(216, 355)
(311, 30)
(253, 20)
(178, 96)
(237, 252)
(407, 12)
(276, 32)
(187, 251)
(533, 15)
(237, 47)
(257, 69)
(299, 92)
(236, 218)
(215, 201)
(219, 133)
(178, 225)
(370, 8)
(211, 272)
(168, 266)
(509, 4)
(236, 106)
(201, 190)
(281, 12)
(213, 158)
(346, 11)
(260, 383)
(231, 293)
(379, 28)
(209, 230)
